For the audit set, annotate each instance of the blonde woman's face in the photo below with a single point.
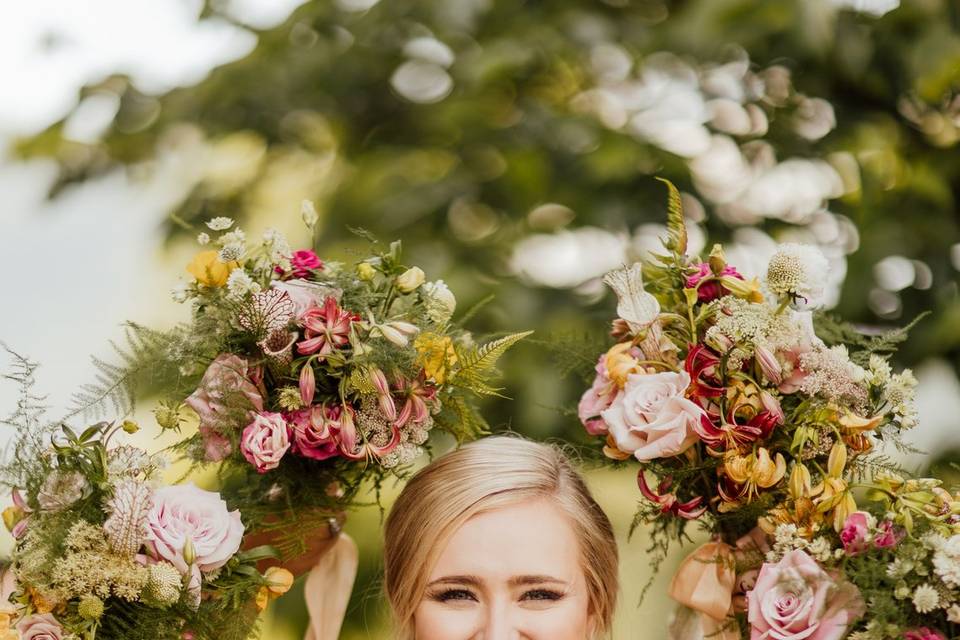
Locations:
(513, 573)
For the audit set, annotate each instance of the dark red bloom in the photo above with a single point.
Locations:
(701, 365)
(733, 434)
(669, 503)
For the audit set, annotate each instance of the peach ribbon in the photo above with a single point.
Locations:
(704, 582)
(328, 587)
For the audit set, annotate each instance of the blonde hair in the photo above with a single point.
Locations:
(484, 475)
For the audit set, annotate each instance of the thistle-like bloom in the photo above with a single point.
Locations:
(635, 305)
(798, 271)
(326, 328)
(668, 502)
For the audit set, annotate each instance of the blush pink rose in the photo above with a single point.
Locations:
(226, 379)
(265, 441)
(315, 430)
(184, 512)
(923, 633)
(596, 399)
(651, 418)
(795, 599)
(40, 627)
(304, 261)
(855, 534)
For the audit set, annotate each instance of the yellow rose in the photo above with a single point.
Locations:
(435, 353)
(410, 279)
(207, 268)
(365, 271)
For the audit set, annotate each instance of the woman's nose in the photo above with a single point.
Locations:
(501, 624)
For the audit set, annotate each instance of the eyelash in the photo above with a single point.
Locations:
(463, 594)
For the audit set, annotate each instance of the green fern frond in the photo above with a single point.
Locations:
(676, 241)
(461, 419)
(476, 365)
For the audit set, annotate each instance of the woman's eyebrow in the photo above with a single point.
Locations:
(472, 581)
(534, 579)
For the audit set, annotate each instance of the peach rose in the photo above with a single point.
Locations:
(651, 418)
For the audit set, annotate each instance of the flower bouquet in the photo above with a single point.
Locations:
(105, 551)
(310, 377)
(761, 422)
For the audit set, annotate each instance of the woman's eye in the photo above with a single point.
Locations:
(542, 594)
(453, 594)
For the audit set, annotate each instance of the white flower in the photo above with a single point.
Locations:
(635, 305)
(926, 599)
(953, 614)
(946, 560)
(230, 253)
(276, 244)
(221, 223)
(309, 214)
(180, 293)
(441, 302)
(61, 489)
(237, 236)
(798, 271)
(240, 283)
(203, 239)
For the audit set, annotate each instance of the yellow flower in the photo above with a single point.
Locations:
(435, 353)
(410, 280)
(366, 272)
(620, 363)
(743, 400)
(207, 268)
(749, 290)
(279, 580)
(12, 516)
(263, 598)
(854, 424)
(754, 471)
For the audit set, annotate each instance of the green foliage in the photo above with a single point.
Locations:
(476, 365)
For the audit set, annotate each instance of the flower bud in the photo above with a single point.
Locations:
(366, 272)
(837, 460)
(410, 280)
(130, 426)
(279, 580)
(189, 553)
(718, 261)
(801, 485)
(308, 384)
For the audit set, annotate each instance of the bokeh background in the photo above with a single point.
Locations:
(511, 145)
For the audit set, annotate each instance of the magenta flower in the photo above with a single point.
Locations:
(888, 537)
(855, 535)
(304, 261)
(326, 328)
(708, 286)
(923, 633)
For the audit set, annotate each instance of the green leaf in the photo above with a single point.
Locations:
(478, 365)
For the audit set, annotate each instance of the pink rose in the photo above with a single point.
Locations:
(305, 294)
(713, 289)
(40, 627)
(265, 441)
(315, 431)
(887, 536)
(795, 599)
(855, 535)
(304, 261)
(227, 378)
(596, 399)
(923, 633)
(651, 418)
(184, 513)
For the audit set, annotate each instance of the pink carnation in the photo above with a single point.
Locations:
(888, 537)
(304, 261)
(40, 627)
(795, 599)
(315, 431)
(713, 289)
(265, 441)
(185, 513)
(855, 535)
(227, 378)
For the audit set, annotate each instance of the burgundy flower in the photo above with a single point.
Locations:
(326, 328)
(315, 431)
(701, 364)
(708, 286)
(733, 434)
(668, 502)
